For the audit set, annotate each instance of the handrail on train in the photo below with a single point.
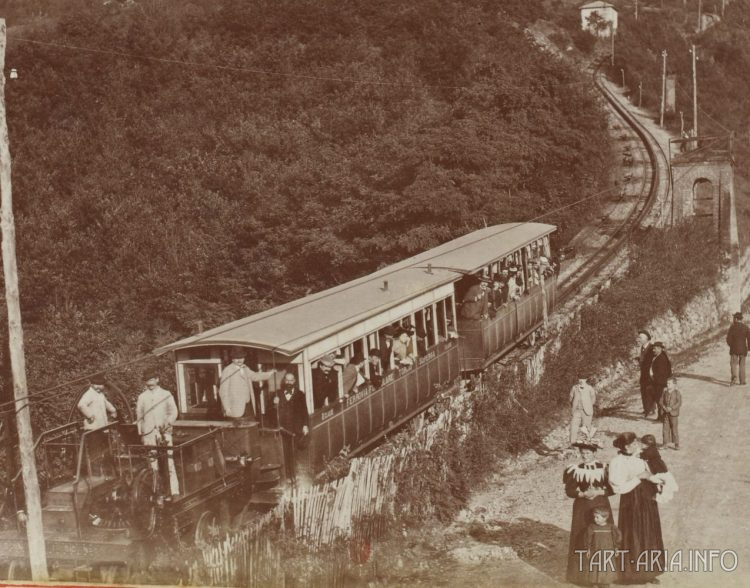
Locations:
(75, 424)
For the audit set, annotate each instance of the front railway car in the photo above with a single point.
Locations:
(400, 328)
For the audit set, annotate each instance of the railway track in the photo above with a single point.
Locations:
(651, 185)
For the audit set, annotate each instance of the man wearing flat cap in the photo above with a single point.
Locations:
(95, 407)
(325, 382)
(236, 386)
(738, 339)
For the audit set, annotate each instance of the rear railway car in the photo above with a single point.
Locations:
(383, 346)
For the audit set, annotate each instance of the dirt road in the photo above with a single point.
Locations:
(515, 532)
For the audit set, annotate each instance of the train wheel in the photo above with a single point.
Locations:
(207, 530)
(143, 501)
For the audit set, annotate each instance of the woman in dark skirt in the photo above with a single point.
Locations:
(639, 520)
(587, 484)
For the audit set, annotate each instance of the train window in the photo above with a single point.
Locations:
(441, 318)
(199, 385)
(429, 325)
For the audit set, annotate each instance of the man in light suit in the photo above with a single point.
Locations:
(156, 412)
(582, 400)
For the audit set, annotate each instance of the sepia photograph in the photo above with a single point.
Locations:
(391, 293)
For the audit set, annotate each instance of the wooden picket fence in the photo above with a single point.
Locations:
(353, 511)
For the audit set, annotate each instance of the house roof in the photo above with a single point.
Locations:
(597, 4)
(291, 327)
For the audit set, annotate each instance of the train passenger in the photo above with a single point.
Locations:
(325, 383)
(475, 304)
(95, 407)
(497, 295)
(386, 348)
(236, 386)
(401, 349)
(352, 375)
(156, 412)
(514, 288)
(291, 413)
(376, 367)
(421, 335)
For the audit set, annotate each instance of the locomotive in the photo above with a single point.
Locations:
(106, 495)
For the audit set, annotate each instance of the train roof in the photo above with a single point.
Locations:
(292, 327)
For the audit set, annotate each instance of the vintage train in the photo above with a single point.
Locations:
(106, 495)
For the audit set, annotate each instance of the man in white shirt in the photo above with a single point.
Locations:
(236, 386)
(156, 412)
(95, 407)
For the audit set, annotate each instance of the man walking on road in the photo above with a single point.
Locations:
(582, 400)
(646, 356)
(661, 369)
(738, 338)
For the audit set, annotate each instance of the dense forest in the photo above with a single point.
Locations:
(181, 162)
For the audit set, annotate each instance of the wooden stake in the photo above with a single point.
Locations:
(34, 530)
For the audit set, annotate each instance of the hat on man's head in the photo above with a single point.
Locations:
(150, 375)
(237, 353)
(738, 316)
(659, 344)
(513, 269)
(646, 333)
(327, 360)
(98, 380)
(357, 358)
(388, 331)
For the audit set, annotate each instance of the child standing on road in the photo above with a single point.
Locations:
(670, 403)
(650, 454)
(602, 540)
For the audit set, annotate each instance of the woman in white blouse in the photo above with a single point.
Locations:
(639, 521)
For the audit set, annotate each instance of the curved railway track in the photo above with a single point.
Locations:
(649, 194)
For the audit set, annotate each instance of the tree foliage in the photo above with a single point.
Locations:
(209, 160)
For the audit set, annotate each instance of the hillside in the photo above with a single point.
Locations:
(182, 162)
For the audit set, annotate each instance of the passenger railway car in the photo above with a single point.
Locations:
(105, 494)
(356, 319)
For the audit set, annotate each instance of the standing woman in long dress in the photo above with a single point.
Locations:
(587, 484)
(639, 520)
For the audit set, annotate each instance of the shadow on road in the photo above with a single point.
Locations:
(540, 545)
(702, 378)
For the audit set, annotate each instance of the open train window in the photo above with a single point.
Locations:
(198, 382)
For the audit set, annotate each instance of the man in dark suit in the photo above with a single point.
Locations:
(738, 338)
(291, 412)
(645, 358)
(661, 370)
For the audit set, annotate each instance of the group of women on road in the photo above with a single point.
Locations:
(601, 553)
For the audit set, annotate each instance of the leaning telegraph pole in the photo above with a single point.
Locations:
(34, 529)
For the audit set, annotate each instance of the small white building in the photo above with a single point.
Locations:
(604, 11)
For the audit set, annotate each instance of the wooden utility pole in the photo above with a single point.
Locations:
(636, 9)
(663, 85)
(700, 15)
(34, 530)
(722, 8)
(695, 94)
